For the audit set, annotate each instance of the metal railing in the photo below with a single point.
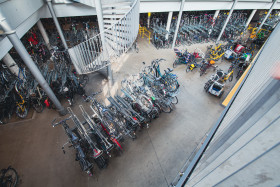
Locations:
(92, 55)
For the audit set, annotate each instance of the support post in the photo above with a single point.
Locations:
(149, 19)
(98, 7)
(44, 34)
(178, 23)
(228, 17)
(14, 39)
(49, 3)
(250, 18)
(215, 16)
(11, 64)
(169, 19)
(268, 13)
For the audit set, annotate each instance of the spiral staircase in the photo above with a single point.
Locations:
(121, 24)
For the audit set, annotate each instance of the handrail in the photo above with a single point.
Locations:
(93, 55)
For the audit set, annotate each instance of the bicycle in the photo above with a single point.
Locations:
(9, 177)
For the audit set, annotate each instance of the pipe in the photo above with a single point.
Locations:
(11, 64)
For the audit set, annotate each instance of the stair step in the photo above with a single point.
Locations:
(113, 16)
(120, 35)
(125, 3)
(113, 31)
(116, 11)
(118, 40)
(110, 21)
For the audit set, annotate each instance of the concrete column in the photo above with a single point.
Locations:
(215, 16)
(250, 17)
(178, 23)
(169, 19)
(228, 17)
(14, 39)
(44, 34)
(49, 3)
(268, 13)
(149, 19)
(11, 64)
(98, 7)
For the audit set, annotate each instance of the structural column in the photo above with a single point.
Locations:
(268, 13)
(44, 34)
(99, 13)
(169, 19)
(14, 39)
(215, 16)
(11, 64)
(149, 19)
(49, 3)
(228, 17)
(250, 17)
(178, 23)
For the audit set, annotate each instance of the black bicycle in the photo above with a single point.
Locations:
(9, 177)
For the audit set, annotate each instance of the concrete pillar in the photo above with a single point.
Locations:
(44, 34)
(98, 7)
(169, 19)
(268, 13)
(228, 17)
(149, 19)
(178, 23)
(250, 17)
(49, 3)
(215, 16)
(14, 39)
(11, 64)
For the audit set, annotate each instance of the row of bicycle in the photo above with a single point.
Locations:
(199, 28)
(19, 93)
(145, 96)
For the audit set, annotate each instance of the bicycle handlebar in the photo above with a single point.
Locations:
(62, 121)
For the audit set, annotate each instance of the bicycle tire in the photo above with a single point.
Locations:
(21, 114)
(15, 181)
(84, 80)
(165, 108)
(175, 63)
(174, 100)
(38, 107)
(230, 77)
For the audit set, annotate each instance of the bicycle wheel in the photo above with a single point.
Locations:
(10, 177)
(175, 63)
(84, 80)
(165, 108)
(230, 77)
(38, 106)
(21, 113)
(174, 100)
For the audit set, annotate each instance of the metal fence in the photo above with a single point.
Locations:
(92, 55)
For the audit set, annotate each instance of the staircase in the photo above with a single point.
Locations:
(121, 24)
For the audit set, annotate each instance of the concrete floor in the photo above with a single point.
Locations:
(34, 147)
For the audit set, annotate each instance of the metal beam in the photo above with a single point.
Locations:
(49, 3)
(14, 39)
(178, 23)
(268, 13)
(225, 25)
